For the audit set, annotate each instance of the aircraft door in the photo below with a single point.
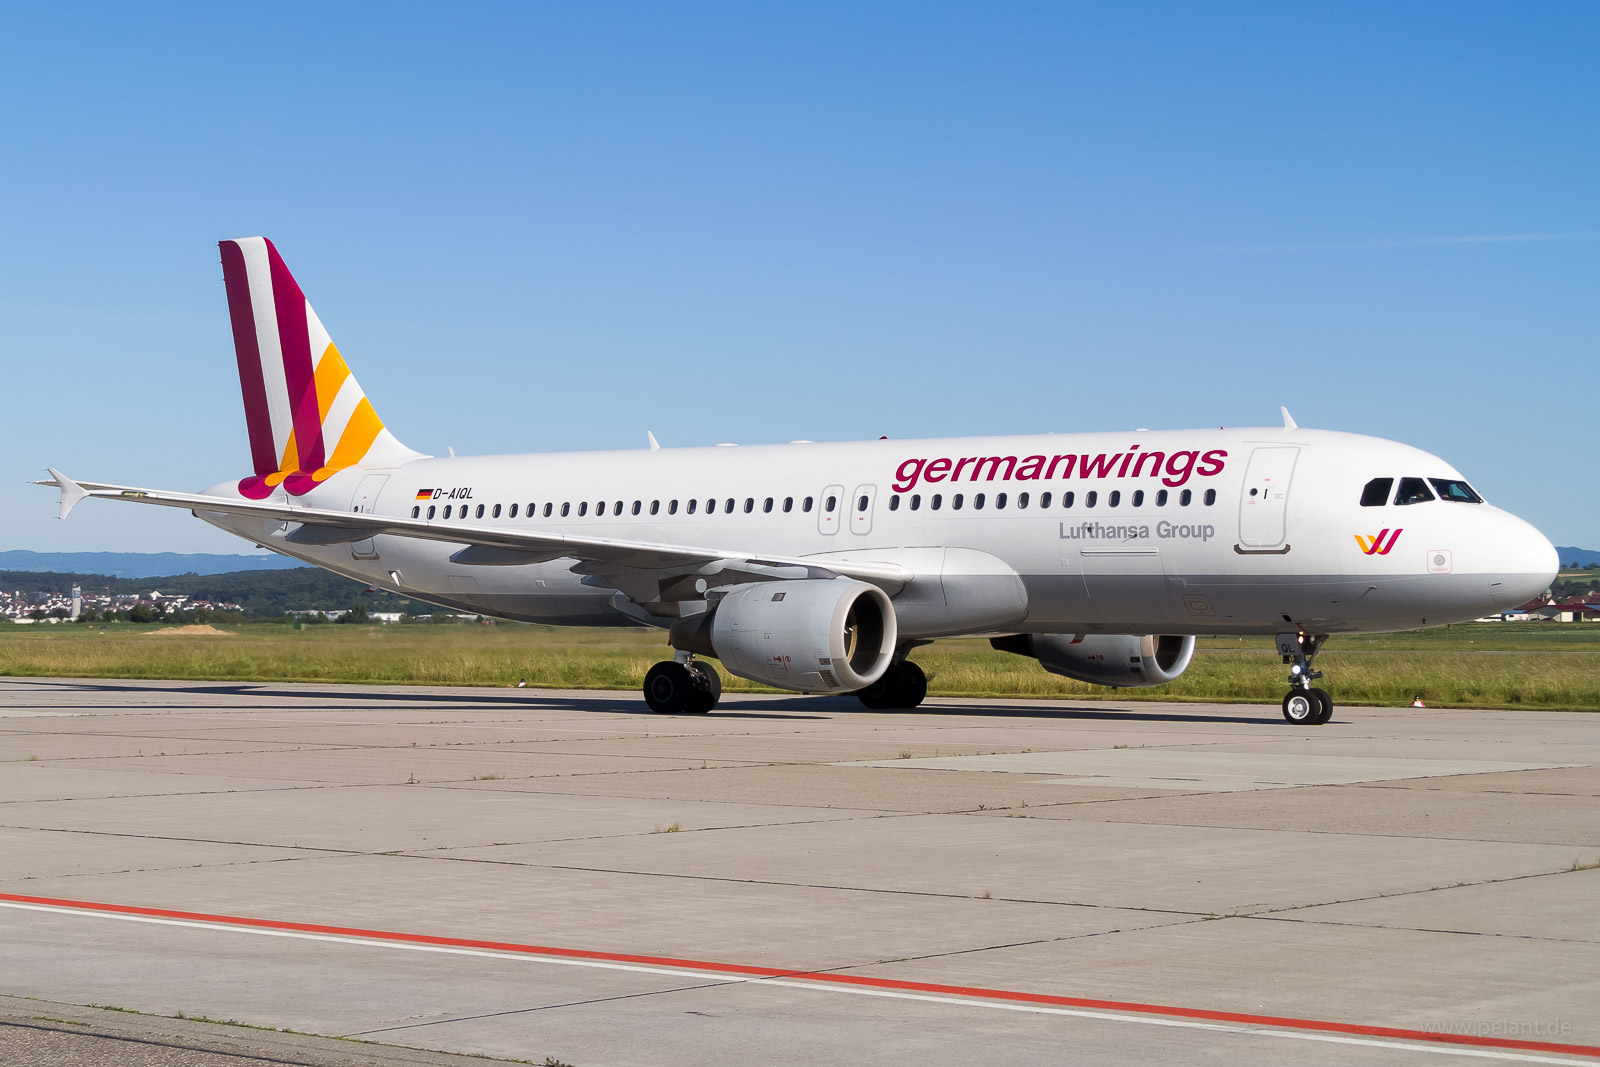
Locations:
(861, 505)
(829, 505)
(366, 501)
(1264, 500)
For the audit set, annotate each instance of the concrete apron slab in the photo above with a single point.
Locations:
(760, 869)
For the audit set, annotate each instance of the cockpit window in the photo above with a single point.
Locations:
(1460, 492)
(1376, 494)
(1412, 491)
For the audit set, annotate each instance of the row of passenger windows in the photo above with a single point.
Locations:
(1416, 491)
(935, 502)
(601, 508)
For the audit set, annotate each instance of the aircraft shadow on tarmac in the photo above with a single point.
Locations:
(737, 706)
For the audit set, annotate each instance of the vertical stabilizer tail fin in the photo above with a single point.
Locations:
(307, 416)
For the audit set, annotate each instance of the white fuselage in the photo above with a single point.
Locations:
(1246, 531)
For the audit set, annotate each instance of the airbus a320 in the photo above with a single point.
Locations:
(820, 568)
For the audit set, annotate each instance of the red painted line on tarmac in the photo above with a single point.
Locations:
(861, 981)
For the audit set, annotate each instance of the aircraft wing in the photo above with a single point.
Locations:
(641, 569)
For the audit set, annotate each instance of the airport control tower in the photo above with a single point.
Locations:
(77, 602)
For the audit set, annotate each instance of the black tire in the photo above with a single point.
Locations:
(1301, 708)
(913, 686)
(884, 693)
(708, 689)
(670, 689)
(1325, 711)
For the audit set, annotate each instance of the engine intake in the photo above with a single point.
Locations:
(1124, 661)
(812, 635)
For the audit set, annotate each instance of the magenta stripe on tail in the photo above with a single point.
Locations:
(294, 336)
(263, 455)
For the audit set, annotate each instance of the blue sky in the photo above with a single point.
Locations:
(539, 227)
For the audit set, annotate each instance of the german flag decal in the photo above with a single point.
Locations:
(424, 494)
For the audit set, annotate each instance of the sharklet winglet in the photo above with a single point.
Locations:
(71, 491)
(655, 446)
(1288, 419)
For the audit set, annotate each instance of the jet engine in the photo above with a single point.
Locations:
(812, 635)
(1124, 661)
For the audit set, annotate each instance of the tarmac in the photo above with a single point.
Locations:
(407, 875)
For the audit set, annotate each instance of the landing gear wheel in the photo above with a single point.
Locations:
(913, 685)
(1325, 710)
(1301, 708)
(709, 689)
(902, 686)
(670, 689)
(883, 693)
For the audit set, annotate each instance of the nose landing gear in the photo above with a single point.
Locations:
(1305, 705)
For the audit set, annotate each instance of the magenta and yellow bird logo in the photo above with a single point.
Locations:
(1377, 546)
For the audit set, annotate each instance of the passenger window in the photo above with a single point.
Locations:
(637, 506)
(462, 514)
(1044, 499)
(672, 507)
(655, 507)
(749, 504)
(548, 507)
(806, 507)
(1459, 492)
(1089, 498)
(1184, 498)
(788, 504)
(430, 511)
(729, 508)
(1000, 500)
(1138, 498)
(1067, 498)
(692, 504)
(514, 511)
(934, 501)
(496, 512)
(1161, 498)
(530, 510)
(480, 511)
(583, 508)
(894, 503)
(1210, 497)
(617, 508)
(1376, 494)
(416, 511)
(916, 501)
(1114, 499)
(766, 506)
(955, 501)
(1412, 491)
(1022, 500)
(831, 503)
(977, 502)
(447, 510)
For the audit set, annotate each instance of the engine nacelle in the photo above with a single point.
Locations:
(813, 635)
(1125, 661)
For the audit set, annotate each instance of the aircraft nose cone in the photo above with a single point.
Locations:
(1528, 566)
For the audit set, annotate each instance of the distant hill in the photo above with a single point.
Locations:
(141, 564)
(1581, 556)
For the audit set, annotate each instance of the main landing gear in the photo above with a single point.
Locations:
(1305, 705)
(902, 687)
(682, 686)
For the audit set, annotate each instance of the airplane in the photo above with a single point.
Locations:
(819, 568)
